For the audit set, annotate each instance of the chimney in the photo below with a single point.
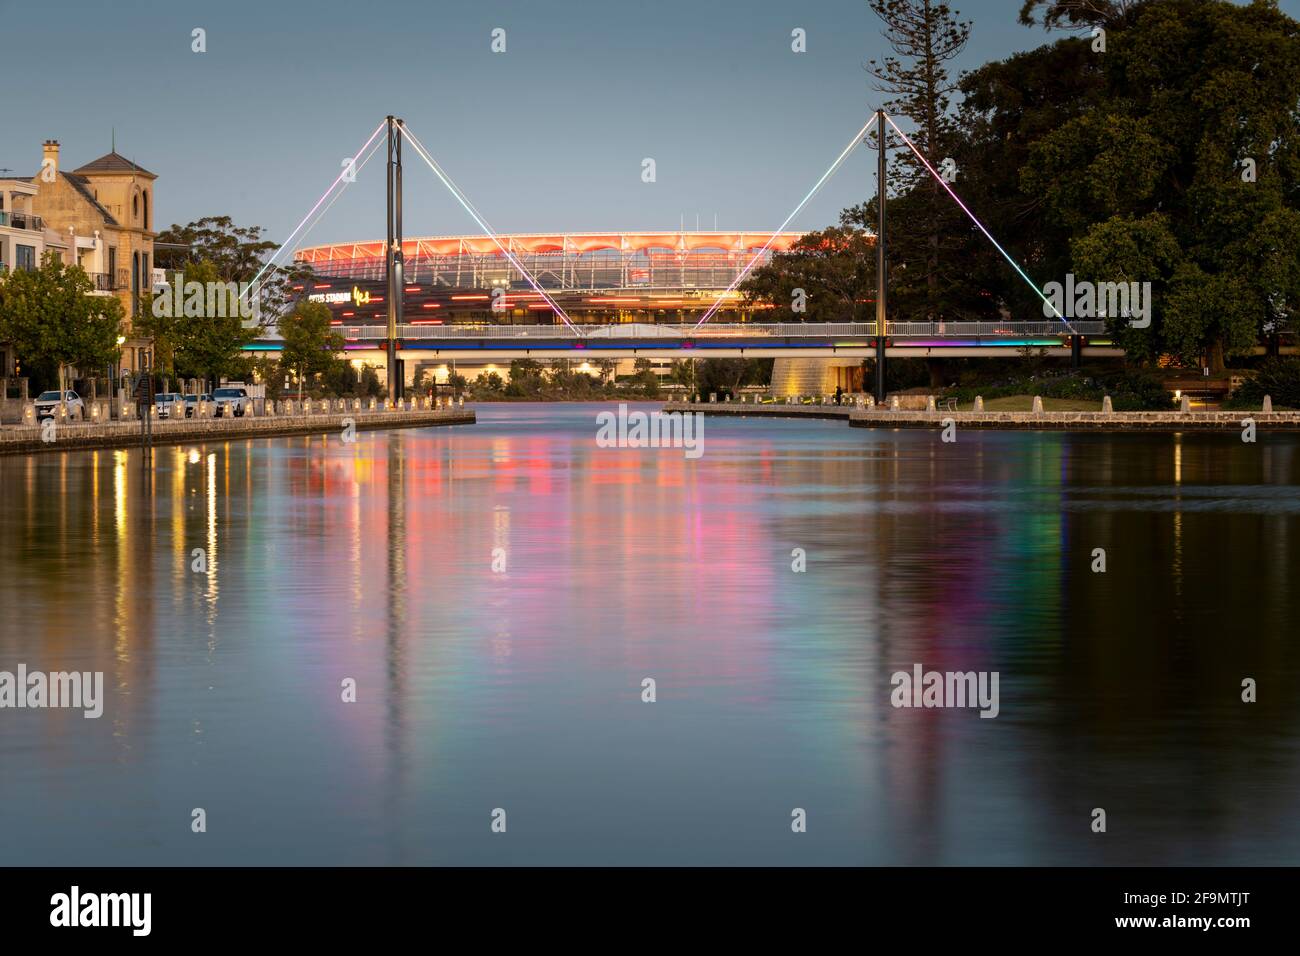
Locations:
(51, 158)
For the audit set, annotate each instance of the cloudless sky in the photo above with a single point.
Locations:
(548, 136)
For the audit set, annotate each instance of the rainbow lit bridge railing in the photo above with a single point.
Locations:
(749, 330)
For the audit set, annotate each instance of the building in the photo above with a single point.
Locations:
(25, 238)
(106, 209)
(596, 278)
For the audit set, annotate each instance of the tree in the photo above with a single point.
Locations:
(831, 274)
(208, 346)
(726, 376)
(53, 320)
(924, 36)
(1195, 121)
(1076, 14)
(310, 344)
(237, 254)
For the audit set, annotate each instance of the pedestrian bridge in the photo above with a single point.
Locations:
(748, 340)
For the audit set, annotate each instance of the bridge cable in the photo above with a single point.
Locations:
(340, 178)
(357, 172)
(853, 143)
(470, 208)
(980, 225)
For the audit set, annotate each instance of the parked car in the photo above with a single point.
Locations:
(192, 403)
(232, 401)
(47, 405)
(169, 405)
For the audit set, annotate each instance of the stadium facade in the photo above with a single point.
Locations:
(595, 277)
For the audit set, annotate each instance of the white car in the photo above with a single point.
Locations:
(47, 405)
(232, 401)
(169, 405)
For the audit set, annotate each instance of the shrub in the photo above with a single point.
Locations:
(1137, 390)
(1279, 378)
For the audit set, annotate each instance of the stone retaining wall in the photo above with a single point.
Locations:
(768, 411)
(1171, 421)
(1081, 421)
(27, 438)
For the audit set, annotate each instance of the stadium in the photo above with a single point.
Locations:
(595, 277)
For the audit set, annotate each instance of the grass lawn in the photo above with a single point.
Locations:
(1025, 403)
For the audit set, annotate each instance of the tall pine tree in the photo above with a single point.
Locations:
(924, 35)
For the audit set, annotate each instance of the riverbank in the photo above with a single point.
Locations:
(841, 412)
(1171, 421)
(25, 439)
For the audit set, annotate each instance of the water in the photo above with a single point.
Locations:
(521, 689)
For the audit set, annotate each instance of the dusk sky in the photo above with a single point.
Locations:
(548, 136)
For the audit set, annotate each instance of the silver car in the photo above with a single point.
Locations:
(47, 405)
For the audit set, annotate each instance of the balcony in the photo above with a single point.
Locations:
(103, 281)
(22, 220)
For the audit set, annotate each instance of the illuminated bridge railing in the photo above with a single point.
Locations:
(990, 329)
(748, 330)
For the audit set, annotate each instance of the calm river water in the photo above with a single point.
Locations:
(519, 687)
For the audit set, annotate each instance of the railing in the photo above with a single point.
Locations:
(967, 329)
(749, 330)
(22, 220)
(103, 281)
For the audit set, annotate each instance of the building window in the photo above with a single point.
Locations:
(135, 206)
(135, 272)
(146, 209)
(25, 257)
(112, 266)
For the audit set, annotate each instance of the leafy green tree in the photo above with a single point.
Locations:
(1278, 378)
(209, 346)
(1076, 14)
(340, 380)
(525, 378)
(834, 269)
(53, 321)
(1197, 121)
(311, 346)
(1123, 249)
(726, 376)
(236, 252)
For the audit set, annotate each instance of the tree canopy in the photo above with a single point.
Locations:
(53, 320)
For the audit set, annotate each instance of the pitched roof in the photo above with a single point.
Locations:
(112, 163)
(81, 185)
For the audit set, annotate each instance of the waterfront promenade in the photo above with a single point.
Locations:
(25, 439)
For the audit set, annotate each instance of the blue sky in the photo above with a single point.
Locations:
(548, 136)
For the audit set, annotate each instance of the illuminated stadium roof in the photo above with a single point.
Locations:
(555, 242)
(591, 275)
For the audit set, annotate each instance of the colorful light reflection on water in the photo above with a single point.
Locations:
(522, 689)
